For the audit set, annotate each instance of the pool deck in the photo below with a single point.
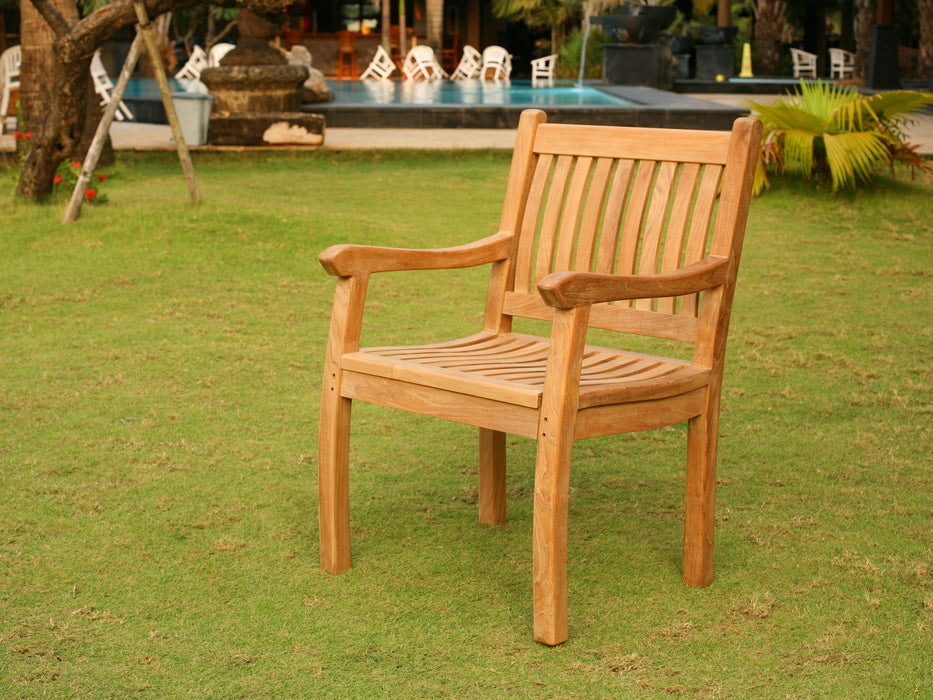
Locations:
(139, 136)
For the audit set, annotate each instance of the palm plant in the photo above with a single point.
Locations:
(836, 133)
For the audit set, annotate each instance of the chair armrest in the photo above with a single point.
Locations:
(350, 260)
(567, 290)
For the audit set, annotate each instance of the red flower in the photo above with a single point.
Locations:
(101, 177)
(17, 135)
(27, 135)
(75, 164)
(57, 180)
(90, 194)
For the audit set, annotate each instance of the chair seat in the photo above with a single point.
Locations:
(510, 367)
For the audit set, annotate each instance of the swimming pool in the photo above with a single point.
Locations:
(467, 92)
(477, 105)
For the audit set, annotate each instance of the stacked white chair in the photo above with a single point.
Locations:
(381, 67)
(422, 64)
(197, 62)
(470, 66)
(841, 64)
(10, 61)
(103, 86)
(542, 70)
(497, 64)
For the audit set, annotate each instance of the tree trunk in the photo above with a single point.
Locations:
(56, 78)
(925, 63)
(769, 24)
(434, 11)
(864, 21)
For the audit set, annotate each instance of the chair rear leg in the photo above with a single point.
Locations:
(700, 514)
(491, 476)
(334, 481)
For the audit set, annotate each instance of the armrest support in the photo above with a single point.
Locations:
(350, 260)
(571, 289)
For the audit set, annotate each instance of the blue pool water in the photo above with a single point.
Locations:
(468, 92)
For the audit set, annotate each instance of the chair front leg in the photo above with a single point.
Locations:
(334, 483)
(556, 425)
(334, 435)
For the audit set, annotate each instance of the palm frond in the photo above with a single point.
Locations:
(854, 157)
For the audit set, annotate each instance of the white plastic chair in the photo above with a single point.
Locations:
(470, 66)
(197, 62)
(841, 64)
(217, 52)
(497, 64)
(542, 70)
(381, 67)
(103, 86)
(10, 61)
(804, 63)
(422, 64)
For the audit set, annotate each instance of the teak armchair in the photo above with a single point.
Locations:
(632, 230)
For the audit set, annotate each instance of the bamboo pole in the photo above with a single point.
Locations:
(73, 211)
(146, 30)
(145, 38)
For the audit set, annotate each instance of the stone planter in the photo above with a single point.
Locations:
(650, 65)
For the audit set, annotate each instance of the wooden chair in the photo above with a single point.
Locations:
(804, 63)
(347, 67)
(632, 230)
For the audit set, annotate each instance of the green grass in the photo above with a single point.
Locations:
(159, 380)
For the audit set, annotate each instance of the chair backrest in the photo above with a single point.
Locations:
(10, 62)
(197, 62)
(804, 63)
(102, 82)
(217, 52)
(623, 200)
(381, 67)
(497, 64)
(470, 65)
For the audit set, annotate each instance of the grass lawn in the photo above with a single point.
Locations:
(160, 375)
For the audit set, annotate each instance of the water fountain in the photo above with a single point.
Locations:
(258, 94)
(637, 54)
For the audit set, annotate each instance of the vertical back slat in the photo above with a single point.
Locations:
(529, 224)
(550, 224)
(634, 219)
(593, 214)
(570, 220)
(654, 228)
(700, 226)
(681, 207)
(612, 222)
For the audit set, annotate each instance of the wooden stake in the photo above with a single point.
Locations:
(145, 38)
(146, 29)
(93, 154)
